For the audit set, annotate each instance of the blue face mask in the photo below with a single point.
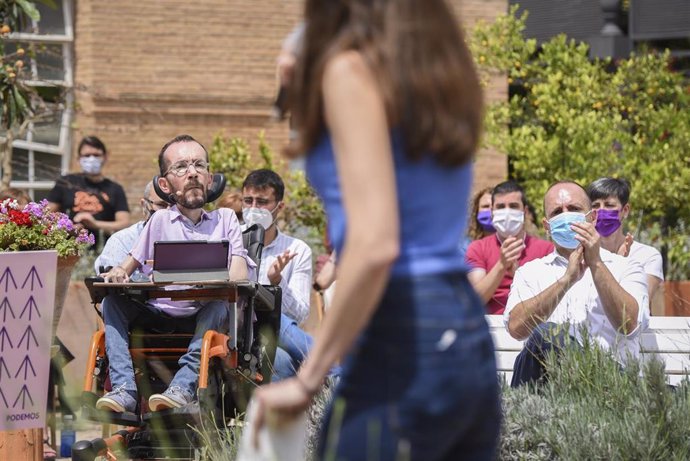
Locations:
(561, 233)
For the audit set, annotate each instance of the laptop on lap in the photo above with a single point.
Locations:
(190, 261)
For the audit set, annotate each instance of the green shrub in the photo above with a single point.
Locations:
(222, 444)
(571, 117)
(591, 409)
(303, 215)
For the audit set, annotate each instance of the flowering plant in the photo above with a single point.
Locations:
(35, 227)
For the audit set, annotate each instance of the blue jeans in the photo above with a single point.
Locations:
(420, 382)
(293, 346)
(529, 364)
(119, 313)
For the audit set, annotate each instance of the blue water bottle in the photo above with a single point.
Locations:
(67, 436)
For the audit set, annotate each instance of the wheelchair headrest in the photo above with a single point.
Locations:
(214, 191)
(253, 240)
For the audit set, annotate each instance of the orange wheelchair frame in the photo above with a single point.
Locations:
(238, 359)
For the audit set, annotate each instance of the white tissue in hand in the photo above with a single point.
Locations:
(285, 443)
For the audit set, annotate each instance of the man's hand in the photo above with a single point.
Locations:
(624, 249)
(85, 219)
(116, 275)
(511, 249)
(576, 267)
(274, 272)
(590, 241)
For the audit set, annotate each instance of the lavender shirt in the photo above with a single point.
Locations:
(170, 224)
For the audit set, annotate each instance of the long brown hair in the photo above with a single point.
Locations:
(474, 230)
(416, 50)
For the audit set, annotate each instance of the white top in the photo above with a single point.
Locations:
(649, 258)
(581, 306)
(296, 276)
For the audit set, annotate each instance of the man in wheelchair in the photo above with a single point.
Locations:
(185, 178)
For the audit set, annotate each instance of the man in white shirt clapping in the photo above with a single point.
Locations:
(580, 285)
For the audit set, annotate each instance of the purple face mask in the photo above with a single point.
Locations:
(608, 221)
(484, 218)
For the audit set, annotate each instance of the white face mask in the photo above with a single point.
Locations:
(508, 222)
(260, 216)
(90, 164)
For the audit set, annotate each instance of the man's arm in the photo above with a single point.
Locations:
(121, 273)
(620, 307)
(114, 252)
(487, 284)
(526, 315)
(653, 283)
(238, 268)
(296, 289)
(87, 219)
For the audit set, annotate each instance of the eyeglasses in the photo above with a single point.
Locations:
(260, 202)
(180, 169)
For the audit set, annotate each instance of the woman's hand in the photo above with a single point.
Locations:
(280, 403)
(624, 249)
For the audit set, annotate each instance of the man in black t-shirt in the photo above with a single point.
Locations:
(89, 198)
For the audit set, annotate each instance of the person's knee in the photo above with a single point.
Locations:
(213, 316)
(283, 365)
(115, 306)
(547, 336)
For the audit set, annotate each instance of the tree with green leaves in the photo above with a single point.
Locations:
(20, 102)
(303, 215)
(572, 117)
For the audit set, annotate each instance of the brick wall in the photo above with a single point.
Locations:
(491, 166)
(149, 70)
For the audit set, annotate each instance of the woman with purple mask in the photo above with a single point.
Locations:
(610, 197)
(480, 216)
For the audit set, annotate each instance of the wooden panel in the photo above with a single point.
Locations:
(504, 342)
(495, 321)
(669, 323)
(675, 380)
(505, 360)
(663, 342)
(655, 323)
(675, 363)
(504, 377)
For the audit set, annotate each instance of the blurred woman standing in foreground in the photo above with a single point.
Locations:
(388, 108)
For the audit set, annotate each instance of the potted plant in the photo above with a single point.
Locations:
(35, 227)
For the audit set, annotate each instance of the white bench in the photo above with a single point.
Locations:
(667, 338)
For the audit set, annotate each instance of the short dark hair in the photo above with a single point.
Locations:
(92, 141)
(506, 187)
(609, 187)
(179, 138)
(263, 179)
